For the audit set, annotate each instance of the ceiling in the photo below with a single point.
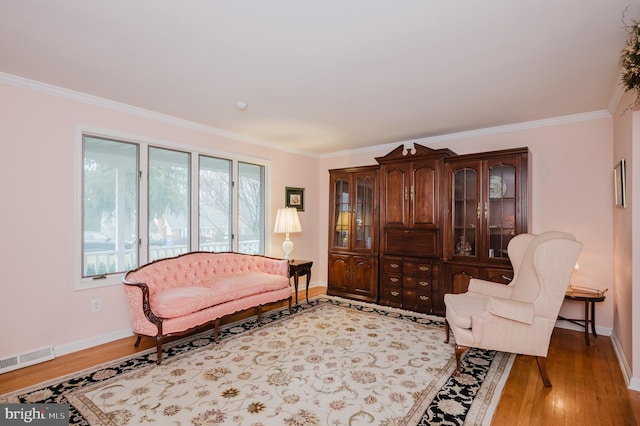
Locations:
(326, 76)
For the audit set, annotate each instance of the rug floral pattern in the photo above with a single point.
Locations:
(332, 363)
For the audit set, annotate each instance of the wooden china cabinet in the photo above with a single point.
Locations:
(423, 222)
(487, 205)
(353, 233)
(410, 221)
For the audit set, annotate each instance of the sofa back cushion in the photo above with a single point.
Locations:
(200, 268)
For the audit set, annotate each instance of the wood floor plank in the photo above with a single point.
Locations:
(588, 386)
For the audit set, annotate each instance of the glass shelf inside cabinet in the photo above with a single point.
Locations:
(501, 209)
(465, 212)
(342, 216)
(364, 213)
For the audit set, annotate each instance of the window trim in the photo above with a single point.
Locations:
(143, 143)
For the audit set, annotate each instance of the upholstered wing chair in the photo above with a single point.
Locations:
(518, 317)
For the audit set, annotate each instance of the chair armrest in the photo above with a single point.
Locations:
(489, 288)
(511, 309)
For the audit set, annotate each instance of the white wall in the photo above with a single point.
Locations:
(38, 306)
(626, 235)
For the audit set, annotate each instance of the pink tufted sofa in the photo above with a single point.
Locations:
(175, 295)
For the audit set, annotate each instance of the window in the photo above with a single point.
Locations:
(215, 203)
(251, 208)
(169, 213)
(110, 207)
(141, 202)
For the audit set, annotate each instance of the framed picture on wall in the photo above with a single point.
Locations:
(294, 197)
(620, 184)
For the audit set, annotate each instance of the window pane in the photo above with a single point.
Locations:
(215, 204)
(250, 208)
(168, 203)
(109, 205)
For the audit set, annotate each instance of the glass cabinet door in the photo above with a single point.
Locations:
(363, 234)
(342, 215)
(501, 209)
(465, 211)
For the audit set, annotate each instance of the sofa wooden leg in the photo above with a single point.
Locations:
(216, 327)
(446, 330)
(542, 366)
(290, 311)
(459, 351)
(259, 312)
(135, 345)
(159, 349)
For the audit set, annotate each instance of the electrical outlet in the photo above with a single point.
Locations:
(95, 305)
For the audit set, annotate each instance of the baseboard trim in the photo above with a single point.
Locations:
(602, 331)
(92, 341)
(632, 383)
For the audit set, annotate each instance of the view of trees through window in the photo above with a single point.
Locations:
(110, 206)
(115, 181)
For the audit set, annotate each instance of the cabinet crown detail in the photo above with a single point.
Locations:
(403, 154)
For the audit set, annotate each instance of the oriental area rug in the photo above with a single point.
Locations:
(332, 362)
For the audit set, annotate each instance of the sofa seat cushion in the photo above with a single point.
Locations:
(175, 302)
(461, 308)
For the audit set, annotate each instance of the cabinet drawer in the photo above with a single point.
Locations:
(406, 242)
(409, 297)
(423, 303)
(423, 284)
(416, 268)
(409, 281)
(393, 295)
(392, 264)
(390, 280)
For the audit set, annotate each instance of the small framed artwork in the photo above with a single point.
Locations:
(620, 184)
(294, 197)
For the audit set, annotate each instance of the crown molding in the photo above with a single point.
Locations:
(48, 89)
(527, 125)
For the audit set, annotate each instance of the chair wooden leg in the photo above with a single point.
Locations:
(446, 330)
(290, 311)
(137, 341)
(459, 351)
(542, 366)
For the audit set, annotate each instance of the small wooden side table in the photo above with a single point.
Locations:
(589, 300)
(298, 268)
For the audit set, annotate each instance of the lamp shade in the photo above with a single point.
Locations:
(343, 222)
(287, 221)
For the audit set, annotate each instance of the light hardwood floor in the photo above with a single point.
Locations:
(588, 386)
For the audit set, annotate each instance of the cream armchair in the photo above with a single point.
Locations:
(518, 317)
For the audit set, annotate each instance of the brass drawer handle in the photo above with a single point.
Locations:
(394, 280)
(424, 283)
(395, 293)
(424, 268)
(395, 265)
(424, 297)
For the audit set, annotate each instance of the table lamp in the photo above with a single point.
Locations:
(287, 222)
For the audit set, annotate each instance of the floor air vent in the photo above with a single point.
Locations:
(26, 359)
